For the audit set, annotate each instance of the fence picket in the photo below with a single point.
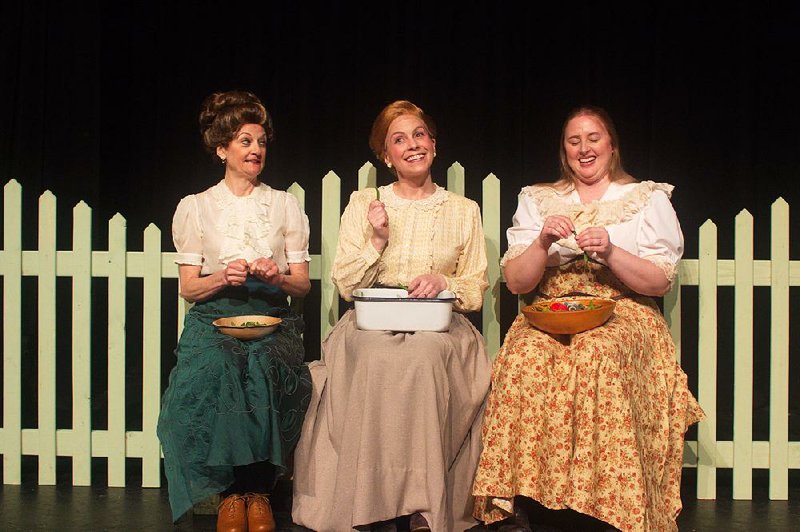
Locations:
(117, 290)
(707, 362)
(298, 192)
(491, 230)
(367, 176)
(81, 345)
(46, 332)
(743, 360)
(779, 354)
(12, 333)
(455, 179)
(331, 205)
(151, 358)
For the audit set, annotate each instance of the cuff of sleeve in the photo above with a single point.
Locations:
(451, 285)
(467, 299)
(294, 257)
(669, 268)
(512, 253)
(190, 259)
(370, 254)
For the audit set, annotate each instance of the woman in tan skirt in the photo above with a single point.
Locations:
(394, 426)
(594, 421)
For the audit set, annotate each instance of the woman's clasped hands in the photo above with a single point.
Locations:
(236, 271)
(592, 240)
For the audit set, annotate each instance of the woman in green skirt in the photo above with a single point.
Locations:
(233, 409)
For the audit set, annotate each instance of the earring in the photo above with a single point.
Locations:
(388, 165)
(434, 154)
(223, 160)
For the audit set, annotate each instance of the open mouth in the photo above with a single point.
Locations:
(415, 158)
(587, 160)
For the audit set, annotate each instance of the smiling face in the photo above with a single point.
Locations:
(245, 155)
(588, 149)
(409, 146)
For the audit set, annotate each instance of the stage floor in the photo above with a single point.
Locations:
(65, 508)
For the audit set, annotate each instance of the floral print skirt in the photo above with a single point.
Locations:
(595, 421)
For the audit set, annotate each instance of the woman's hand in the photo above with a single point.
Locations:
(235, 273)
(379, 220)
(428, 285)
(595, 240)
(266, 270)
(554, 229)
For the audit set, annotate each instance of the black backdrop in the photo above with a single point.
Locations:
(99, 101)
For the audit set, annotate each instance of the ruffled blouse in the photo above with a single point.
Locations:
(215, 227)
(438, 234)
(638, 216)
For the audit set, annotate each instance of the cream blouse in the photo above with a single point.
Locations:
(438, 234)
(215, 227)
(638, 216)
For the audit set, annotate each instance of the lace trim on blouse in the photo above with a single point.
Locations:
(434, 201)
(512, 253)
(669, 269)
(190, 259)
(244, 223)
(596, 213)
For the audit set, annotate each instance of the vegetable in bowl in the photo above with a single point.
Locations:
(247, 327)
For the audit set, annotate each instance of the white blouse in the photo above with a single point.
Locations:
(638, 216)
(215, 227)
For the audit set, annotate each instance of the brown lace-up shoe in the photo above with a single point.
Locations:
(259, 513)
(232, 515)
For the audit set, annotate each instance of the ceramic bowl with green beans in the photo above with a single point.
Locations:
(247, 327)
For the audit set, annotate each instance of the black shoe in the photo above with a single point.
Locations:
(384, 526)
(516, 523)
(417, 523)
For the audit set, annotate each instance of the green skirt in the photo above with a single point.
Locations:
(231, 402)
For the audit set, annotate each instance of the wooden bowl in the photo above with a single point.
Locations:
(247, 327)
(596, 312)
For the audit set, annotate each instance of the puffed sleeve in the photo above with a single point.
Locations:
(296, 233)
(660, 239)
(357, 261)
(187, 233)
(527, 224)
(470, 279)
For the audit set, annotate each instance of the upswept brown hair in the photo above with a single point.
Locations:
(377, 137)
(615, 170)
(224, 113)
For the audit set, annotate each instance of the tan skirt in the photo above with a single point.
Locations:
(393, 428)
(594, 422)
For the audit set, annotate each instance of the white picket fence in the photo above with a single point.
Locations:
(153, 265)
